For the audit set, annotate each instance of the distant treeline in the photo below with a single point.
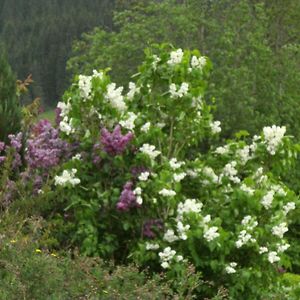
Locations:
(38, 35)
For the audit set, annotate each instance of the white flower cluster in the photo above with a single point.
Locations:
(243, 238)
(151, 246)
(211, 233)
(210, 173)
(133, 89)
(145, 128)
(150, 151)
(222, 150)
(144, 176)
(245, 235)
(273, 257)
(166, 256)
(175, 57)
(244, 154)
(273, 137)
(174, 164)
(282, 247)
(77, 157)
(215, 127)
(138, 192)
(280, 230)
(114, 96)
(129, 122)
(288, 207)
(66, 125)
(66, 178)
(167, 193)
(198, 63)
(182, 230)
(189, 205)
(170, 236)
(231, 172)
(65, 108)
(267, 199)
(180, 176)
(230, 269)
(182, 91)
(85, 86)
(247, 189)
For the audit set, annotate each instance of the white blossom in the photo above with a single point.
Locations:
(182, 230)
(170, 236)
(267, 199)
(145, 128)
(175, 57)
(129, 122)
(280, 230)
(150, 151)
(167, 193)
(114, 96)
(77, 157)
(179, 258)
(247, 189)
(263, 250)
(282, 247)
(144, 176)
(65, 108)
(85, 86)
(156, 60)
(67, 177)
(206, 219)
(211, 233)
(273, 257)
(230, 269)
(176, 164)
(215, 127)
(66, 126)
(182, 91)
(273, 137)
(231, 172)
(244, 154)
(198, 63)
(150, 246)
(243, 238)
(222, 150)
(132, 90)
(288, 207)
(209, 172)
(189, 205)
(179, 177)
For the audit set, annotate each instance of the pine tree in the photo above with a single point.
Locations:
(10, 109)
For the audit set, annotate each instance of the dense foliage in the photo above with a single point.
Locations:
(142, 177)
(10, 109)
(254, 47)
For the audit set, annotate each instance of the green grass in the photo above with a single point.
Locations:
(49, 115)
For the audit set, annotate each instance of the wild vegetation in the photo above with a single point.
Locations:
(166, 172)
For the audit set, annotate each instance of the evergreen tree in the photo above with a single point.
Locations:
(10, 110)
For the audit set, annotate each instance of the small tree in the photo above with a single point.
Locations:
(10, 110)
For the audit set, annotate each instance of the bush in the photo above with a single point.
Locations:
(142, 177)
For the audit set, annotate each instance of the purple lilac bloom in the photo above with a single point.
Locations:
(151, 226)
(127, 199)
(16, 144)
(115, 143)
(2, 147)
(45, 148)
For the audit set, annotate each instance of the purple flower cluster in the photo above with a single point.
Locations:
(152, 226)
(128, 198)
(115, 143)
(2, 147)
(45, 148)
(16, 144)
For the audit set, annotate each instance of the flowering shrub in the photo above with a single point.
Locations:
(150, 181)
